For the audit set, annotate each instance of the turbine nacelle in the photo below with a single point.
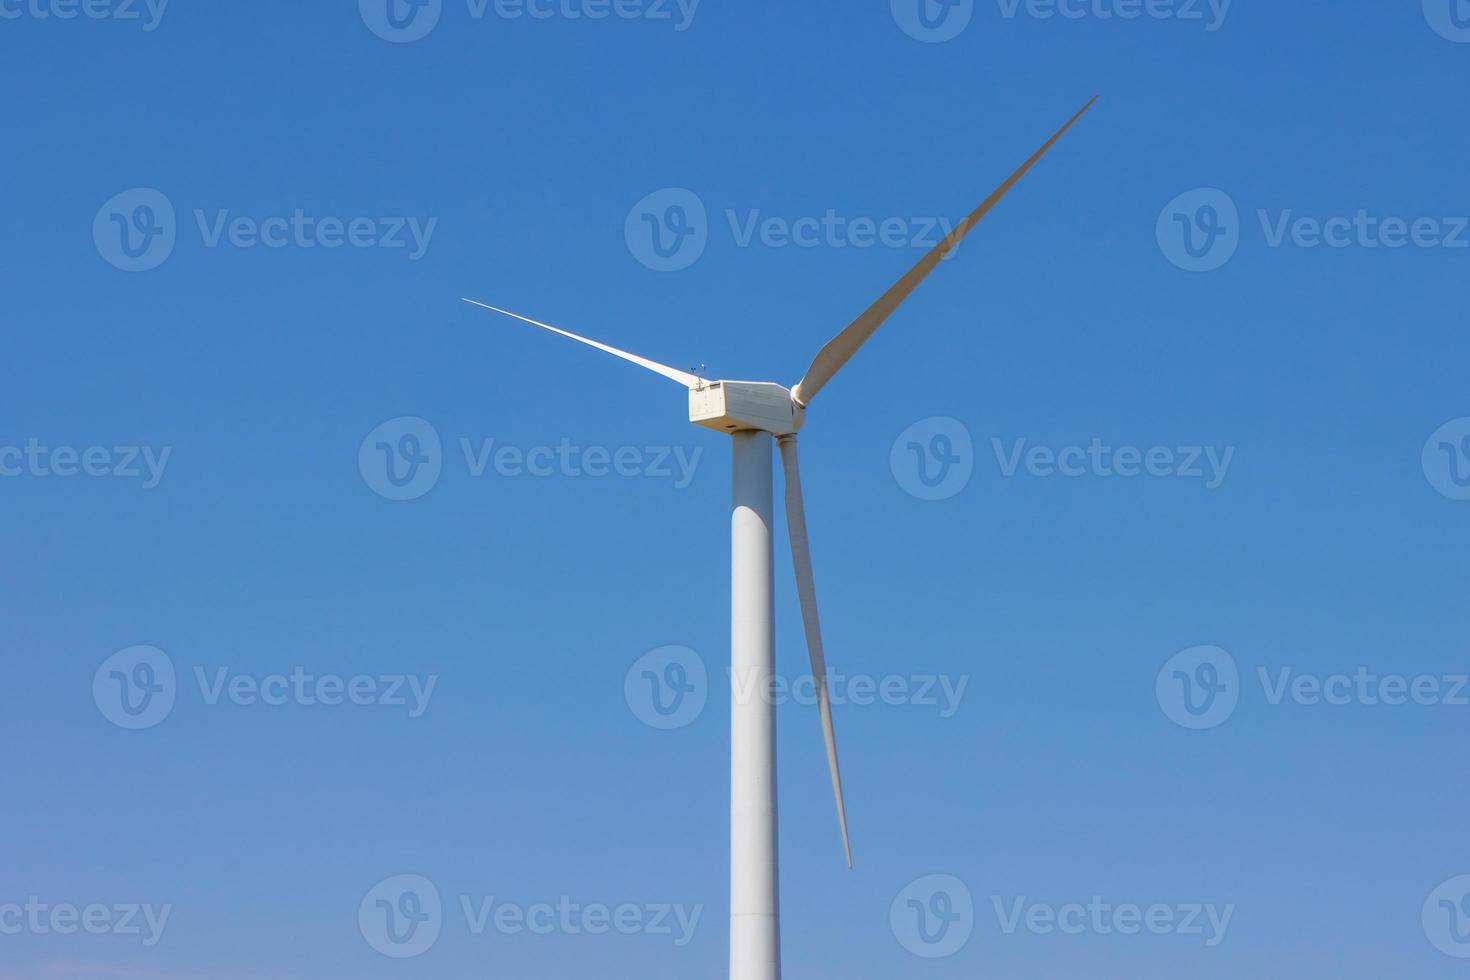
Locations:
(733, 406)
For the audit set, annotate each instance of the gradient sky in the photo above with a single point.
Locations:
(528, 150)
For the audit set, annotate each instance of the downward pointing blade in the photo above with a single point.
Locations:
(839, 349)
(683, 377)
(806, 593)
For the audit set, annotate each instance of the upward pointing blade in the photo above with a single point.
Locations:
(683, 377)
(806, 593)
(841, 347)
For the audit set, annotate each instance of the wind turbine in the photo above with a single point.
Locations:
(752, 413)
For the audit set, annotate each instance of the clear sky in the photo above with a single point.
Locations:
(1108, 707)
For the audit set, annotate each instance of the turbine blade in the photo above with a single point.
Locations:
(683, 377)
(806, 593)
(841, 347)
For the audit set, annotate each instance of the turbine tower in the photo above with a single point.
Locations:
(753, 413)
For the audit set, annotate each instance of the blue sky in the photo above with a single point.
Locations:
(1135, 664)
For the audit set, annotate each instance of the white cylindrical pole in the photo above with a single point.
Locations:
(755, 934)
